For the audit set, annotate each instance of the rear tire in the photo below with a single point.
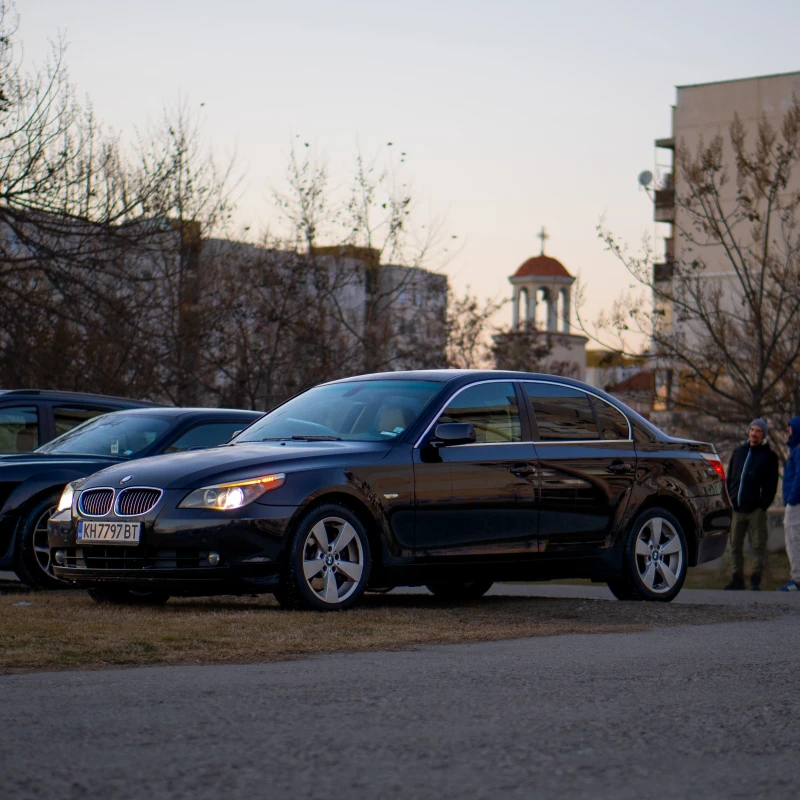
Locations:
(459, 591)
(121, 596)
(655, 560)
(32, 557)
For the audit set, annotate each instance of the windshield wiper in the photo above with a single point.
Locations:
(302, 439)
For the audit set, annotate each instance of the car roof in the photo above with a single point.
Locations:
(174, 412)
(467, 375)
(463, 377)
(55, 394)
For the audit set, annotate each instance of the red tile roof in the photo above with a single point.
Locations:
(544, 266)
(640, 382)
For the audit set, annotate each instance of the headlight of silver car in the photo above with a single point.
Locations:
(66, 498)
(227, 496)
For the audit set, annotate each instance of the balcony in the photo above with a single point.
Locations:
(663, 271)
(665, 205)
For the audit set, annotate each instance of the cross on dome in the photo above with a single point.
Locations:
(543, 235)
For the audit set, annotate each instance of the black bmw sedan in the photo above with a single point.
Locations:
(448, 479)
(31, 483)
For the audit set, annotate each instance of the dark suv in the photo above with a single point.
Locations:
(31, 483)
(31, 417)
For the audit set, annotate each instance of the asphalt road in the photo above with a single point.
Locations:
(707, 712)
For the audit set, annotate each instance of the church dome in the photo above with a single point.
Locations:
(543, 266)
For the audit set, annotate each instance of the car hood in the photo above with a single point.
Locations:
(55, 460)
(193, 469)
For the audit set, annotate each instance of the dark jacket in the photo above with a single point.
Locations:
(791, 473)
(752, 477)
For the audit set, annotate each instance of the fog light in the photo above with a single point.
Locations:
(60, 556)
(214, 558)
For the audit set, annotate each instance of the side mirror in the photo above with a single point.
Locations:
(451, 433)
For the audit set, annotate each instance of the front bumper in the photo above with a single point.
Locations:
(173, 551)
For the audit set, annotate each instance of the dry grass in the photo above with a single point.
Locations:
(716, 574)
(66, 630)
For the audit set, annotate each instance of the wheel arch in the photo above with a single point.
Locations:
(37, 487)
(355, 505)
(681, 512)
(23, 498)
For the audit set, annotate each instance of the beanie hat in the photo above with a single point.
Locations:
(760, 423)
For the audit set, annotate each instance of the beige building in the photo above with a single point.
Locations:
(702, 112)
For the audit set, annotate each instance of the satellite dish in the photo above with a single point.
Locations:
(645, 178)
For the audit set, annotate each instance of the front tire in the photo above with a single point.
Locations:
(329, 562)
(655, 560)
(459, 591)
(32, 558)
(122, 596)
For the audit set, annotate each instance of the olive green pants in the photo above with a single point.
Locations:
(756, 523)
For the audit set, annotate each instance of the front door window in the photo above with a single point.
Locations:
(19, 429)
(492, 410)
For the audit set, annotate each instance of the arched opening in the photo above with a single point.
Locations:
(523, 307)
(563, 310)
(541, 314)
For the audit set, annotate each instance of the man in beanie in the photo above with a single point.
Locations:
(791, 497)
(752, 480)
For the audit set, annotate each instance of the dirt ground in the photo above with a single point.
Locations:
(67, 630)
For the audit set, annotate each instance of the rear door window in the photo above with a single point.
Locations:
(19, 429)
(208, 434)
(563, 414)
(68, 417)
(612, 422)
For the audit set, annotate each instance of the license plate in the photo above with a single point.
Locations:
(109, 532)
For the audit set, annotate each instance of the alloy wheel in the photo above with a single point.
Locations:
(41, 548)
(333, 560)
(659, 555)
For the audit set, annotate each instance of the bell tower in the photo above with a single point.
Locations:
(542, 293)
(542, 307)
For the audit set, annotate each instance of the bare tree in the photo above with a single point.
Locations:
(527, 349)
(468, 327)
(371, 249)
(723, 322)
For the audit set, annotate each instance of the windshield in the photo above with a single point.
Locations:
(122, 435)
(356, 411)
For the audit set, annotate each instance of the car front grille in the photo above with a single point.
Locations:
(114, 557)
(133, 502)
(96, 502)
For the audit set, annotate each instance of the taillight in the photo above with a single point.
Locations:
(715, 463)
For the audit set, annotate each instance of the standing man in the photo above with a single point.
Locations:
(791, 497)
(752, 481)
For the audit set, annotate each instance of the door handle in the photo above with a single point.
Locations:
(523, 471)
(620, 468)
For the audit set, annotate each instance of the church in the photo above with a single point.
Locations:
(542, 337)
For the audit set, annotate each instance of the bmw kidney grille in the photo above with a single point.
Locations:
(133, 502)
(96, 502)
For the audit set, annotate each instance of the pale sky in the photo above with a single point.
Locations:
(513, 114)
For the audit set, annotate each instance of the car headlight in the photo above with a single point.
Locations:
(66, 498)
(227, 496)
